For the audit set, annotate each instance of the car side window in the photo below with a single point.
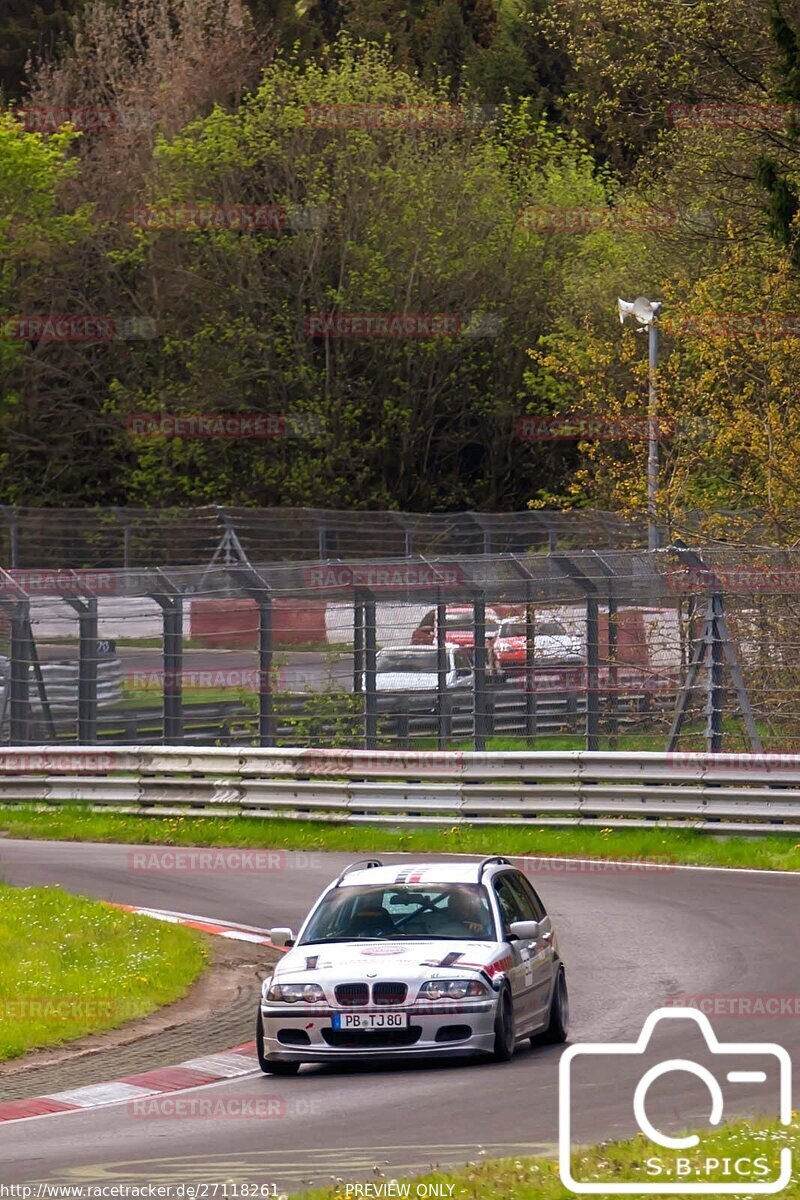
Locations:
(509, 901)
(529, 892)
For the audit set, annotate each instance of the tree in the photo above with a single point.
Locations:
(420, 220)
(30, 30)
(36, 234)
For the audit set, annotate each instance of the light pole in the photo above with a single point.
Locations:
(646, 313)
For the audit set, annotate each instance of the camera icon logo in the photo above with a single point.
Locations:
(671, 1174)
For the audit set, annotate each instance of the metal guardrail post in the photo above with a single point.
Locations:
(370, 673)
(19, 705)
(480, 717)
(442, 699)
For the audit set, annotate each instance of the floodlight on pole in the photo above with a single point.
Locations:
(645, 312)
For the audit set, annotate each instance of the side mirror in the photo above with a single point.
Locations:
(281, 937)
(524, 931)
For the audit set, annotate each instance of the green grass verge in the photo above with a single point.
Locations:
(75, 823)
(538, 1178)
(71, 966)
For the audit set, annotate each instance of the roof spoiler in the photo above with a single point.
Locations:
(365, 863)
(494, 858)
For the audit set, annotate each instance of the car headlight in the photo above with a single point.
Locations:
(295, 993)
(452, 989)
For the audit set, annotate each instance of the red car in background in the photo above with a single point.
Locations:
(459, 624)
(551, 643)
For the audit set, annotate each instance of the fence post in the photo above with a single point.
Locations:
(592, 671)
(530, 665)
(479, 704)
(370, 672)
(13, 534)
(358, 644)
(19, 704)
(122, 517)
(171, 605)
(613, 673)
(87, 669)
(715, 696)
(587, 586)
(441, 670)
(258, 589)
(266, 735)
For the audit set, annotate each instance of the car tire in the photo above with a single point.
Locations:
(504, 1032)
(267, 1066)
(558, 1024)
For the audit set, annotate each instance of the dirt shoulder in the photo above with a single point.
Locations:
(218, 1012)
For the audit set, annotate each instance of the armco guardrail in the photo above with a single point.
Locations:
(722, 793)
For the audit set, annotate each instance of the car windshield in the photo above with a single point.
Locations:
(462, 621)
(393, 912)
(423, 662)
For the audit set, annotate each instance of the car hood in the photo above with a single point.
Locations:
(543, 642)
(404, 960)
(405, 681)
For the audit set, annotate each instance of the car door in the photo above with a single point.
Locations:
(543, 961)
(520, 976)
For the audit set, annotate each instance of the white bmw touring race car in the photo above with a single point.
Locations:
(438, 960)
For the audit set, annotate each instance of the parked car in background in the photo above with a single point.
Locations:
(416, 669)
(459, 626)
(551, 644)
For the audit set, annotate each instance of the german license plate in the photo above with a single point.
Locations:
(370, 1020)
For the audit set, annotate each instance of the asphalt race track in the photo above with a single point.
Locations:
(630, 938)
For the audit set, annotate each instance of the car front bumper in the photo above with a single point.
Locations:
(457, 1030)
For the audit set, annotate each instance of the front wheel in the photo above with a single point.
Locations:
(558, 1025)
(504, 1034)
(267, 1066)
